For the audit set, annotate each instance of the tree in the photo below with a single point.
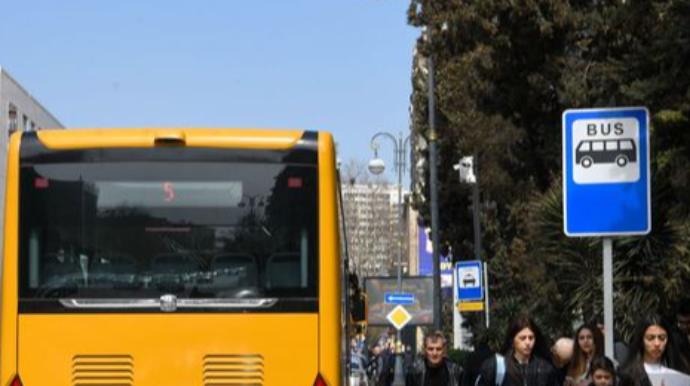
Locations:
(505, 72)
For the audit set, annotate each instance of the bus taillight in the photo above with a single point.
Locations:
(18, 382)
(318, 382)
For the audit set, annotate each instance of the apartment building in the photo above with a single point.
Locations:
(19, 111)
(373, 229)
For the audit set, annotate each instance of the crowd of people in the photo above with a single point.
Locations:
(657, 355)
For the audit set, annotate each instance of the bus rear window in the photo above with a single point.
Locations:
(145, 229)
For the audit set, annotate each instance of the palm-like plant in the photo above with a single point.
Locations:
(649, 271)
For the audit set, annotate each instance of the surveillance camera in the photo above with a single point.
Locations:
(465, 169)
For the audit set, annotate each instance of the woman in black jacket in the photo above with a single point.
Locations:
(525, 361)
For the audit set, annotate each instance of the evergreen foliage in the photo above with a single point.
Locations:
(505, 72)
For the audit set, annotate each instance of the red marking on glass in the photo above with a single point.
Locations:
(169, 191)
(41, 183)
(294, 182)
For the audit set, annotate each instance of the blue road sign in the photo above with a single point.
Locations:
(606, 181)
(398, 298)
(468, 280)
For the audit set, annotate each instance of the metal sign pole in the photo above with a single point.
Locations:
(486, 293)
(457, 316)
(608, 297)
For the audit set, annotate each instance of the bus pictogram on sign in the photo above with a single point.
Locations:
(618, 151)
(605, 151)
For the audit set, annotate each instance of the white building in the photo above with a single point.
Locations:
(19, 111)
(373, 231)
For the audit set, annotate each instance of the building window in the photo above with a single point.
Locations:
(11, 119)
(25, 122)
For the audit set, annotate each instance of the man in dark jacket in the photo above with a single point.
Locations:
(435, 369)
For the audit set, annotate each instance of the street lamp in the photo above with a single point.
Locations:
(377, 166)
(433, 178)
(253, 202)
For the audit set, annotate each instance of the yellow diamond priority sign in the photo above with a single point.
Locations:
(399, 317)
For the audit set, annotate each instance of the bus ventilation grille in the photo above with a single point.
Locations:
(101, 370)
(233, 370)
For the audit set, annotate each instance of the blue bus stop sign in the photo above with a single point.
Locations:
(606, 181)
(468, 280)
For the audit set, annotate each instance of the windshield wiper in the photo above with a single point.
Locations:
(167, 303)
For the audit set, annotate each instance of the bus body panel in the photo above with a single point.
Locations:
(9, 298)
(331, 324)
(167, 349)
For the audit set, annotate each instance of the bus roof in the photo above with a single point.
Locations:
(192, 137)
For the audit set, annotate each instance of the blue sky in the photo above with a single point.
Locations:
(336, 65)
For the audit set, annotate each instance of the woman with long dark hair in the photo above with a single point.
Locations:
(588, 344)
(654, 357)
(525, 360)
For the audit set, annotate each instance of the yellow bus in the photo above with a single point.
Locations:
(162, 257)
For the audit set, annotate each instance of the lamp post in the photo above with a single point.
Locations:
(377, 166)
(253, 201)
(433, 180)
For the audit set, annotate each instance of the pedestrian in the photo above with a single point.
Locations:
(408, 357)
(620, 348)
(387, 370)
(682, 328)
(562, 354)
(654, 357)
(375, 364)
(525, 360)
(473, 361)
(435, 369)
(588, 344)
(683, 317)
(602, 372)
